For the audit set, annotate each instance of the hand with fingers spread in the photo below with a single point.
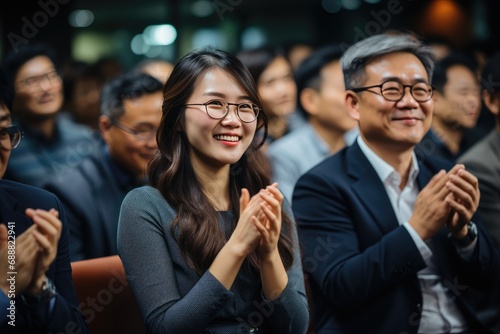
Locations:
(269, 221)
(431, 210)
(463, 201)
(47, 234)
(26, 253)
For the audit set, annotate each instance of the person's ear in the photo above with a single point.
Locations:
(105, 125)
(436, 96)
(352, 104)
(439, 103)
(309, 100)
(492, 102)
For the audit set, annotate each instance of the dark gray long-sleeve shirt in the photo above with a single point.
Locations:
(174, 299)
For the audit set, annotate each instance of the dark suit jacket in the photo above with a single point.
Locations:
(483, 160)
(362, 265)
(15, 198)
(432, 146)
(92, 195)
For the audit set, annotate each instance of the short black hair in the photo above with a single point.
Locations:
(308, 74)
(16, 59)
(258, 59)
(439, 77)
(490, 76)
(6, 93)
(126, 86)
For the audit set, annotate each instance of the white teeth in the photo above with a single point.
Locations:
(227, 138)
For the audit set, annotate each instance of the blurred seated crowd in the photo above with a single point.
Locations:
(76, 138)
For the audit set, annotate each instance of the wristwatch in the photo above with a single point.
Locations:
(47, 293)
(469, 238)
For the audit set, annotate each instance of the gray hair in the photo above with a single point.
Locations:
(355, 57)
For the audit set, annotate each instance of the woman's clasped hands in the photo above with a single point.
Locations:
(259, 225)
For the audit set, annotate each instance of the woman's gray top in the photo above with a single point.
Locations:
(174, 299)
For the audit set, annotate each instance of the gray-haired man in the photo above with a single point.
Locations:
(392, 243)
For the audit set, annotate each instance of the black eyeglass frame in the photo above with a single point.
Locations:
(366, 88)
(255, 108)
(12, 131)
(133, 132)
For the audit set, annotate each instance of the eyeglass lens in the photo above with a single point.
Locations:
(10, 137)
(35, 81)
(394, 91)
(143, 133)
(146, 133)
(247, 112)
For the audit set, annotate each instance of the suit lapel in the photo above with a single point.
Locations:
(11, 212)
(104, 194)
(494, 141)
(424, 175)
(106, 197)
(370, 189)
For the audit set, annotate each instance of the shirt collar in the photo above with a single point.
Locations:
(350, 136)
(382, 168)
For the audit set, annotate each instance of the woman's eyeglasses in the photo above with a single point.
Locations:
(217, 109)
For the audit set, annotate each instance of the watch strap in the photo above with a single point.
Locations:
(46, 294)
(469, 238)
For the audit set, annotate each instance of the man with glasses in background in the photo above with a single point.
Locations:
(93, 192)
(392, 243)
(457, 105)
(52, 145)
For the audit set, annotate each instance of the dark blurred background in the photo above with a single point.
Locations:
(130, 30)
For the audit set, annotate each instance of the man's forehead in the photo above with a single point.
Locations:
(398, 56)
(396, 62)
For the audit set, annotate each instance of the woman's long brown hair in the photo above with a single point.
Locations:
(197, 225)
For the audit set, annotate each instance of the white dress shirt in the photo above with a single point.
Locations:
(440, 313)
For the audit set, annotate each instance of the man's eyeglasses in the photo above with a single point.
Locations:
(10, 137)
(146, 132)
(394, 91)
(34, 81)
(217, 109)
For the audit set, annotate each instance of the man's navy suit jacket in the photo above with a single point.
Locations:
(362, 265)
(15, 198)
(92, 199)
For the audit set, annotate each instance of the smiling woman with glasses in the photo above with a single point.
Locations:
(211, 216)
